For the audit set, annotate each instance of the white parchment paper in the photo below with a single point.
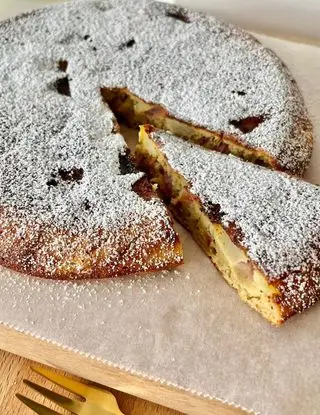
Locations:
(187, 327)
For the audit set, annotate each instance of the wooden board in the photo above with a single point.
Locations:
(94, 370)
(79, 365)
(14, 369)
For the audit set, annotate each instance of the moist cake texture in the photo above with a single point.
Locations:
(260, 227)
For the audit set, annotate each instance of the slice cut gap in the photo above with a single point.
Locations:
(132, 111)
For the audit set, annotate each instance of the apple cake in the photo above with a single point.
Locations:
(259, 227)
(69, 205)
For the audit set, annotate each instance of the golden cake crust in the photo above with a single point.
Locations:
(46, 251)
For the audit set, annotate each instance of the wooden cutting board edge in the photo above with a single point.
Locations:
(30, 347)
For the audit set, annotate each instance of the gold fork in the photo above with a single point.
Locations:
(96, 401)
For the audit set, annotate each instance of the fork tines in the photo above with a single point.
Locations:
(96, 401)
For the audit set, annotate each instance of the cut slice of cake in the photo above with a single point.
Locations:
(260, 228)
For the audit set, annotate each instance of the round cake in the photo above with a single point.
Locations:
(71, 203)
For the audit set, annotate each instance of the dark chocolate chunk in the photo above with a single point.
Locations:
(73, 175)
(62, 86)
(246, 125)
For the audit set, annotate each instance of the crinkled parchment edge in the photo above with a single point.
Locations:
(126, 369)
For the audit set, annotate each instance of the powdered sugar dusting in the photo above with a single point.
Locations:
(67, 207)
(60, 174)
(210, 73)
(231, 342)
(277, 215)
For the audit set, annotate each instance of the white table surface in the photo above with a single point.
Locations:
(284, 18)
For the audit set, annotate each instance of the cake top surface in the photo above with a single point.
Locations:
(66, 183)
(61, 162)
(203, 71)
(277, 215)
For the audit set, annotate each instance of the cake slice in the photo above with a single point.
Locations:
(260, 228)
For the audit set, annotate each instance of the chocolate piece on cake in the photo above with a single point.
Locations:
(260, 228)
